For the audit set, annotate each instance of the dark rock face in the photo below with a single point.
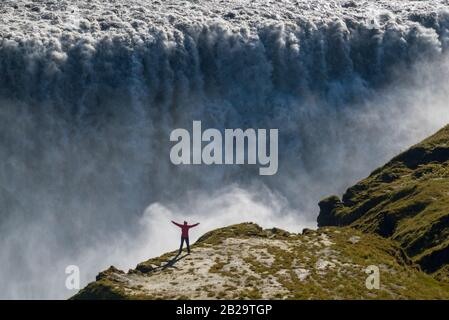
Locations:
(420, 156)
(430, 236)
(406, 200)
(328, 210)
(434, 261)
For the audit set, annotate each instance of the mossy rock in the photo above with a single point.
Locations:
(102, 289)
(328, 263)
(406, 200)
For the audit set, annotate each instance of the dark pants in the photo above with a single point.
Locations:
(182, 242)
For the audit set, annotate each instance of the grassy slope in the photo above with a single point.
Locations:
(243, 261)
(406, 200)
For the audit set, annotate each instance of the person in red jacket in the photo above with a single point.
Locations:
(185, 234)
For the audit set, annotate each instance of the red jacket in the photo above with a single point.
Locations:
(185, 228)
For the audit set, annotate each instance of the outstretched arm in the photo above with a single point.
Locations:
(194, 225)
(176, 224)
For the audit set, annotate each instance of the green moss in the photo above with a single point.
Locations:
(251, 294)
(217, 267)
(406, 200)
(241, 230)
(103, 289)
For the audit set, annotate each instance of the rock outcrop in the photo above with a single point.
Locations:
(397, 220)
(244, 261)
(406, 200)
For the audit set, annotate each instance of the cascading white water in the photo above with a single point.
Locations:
(90, 90)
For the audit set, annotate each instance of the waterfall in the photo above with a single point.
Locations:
(90, 91)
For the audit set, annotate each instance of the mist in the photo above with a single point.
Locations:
(89, 94)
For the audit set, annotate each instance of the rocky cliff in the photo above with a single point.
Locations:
(406, 200)
(397, 219)
(246, 262)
